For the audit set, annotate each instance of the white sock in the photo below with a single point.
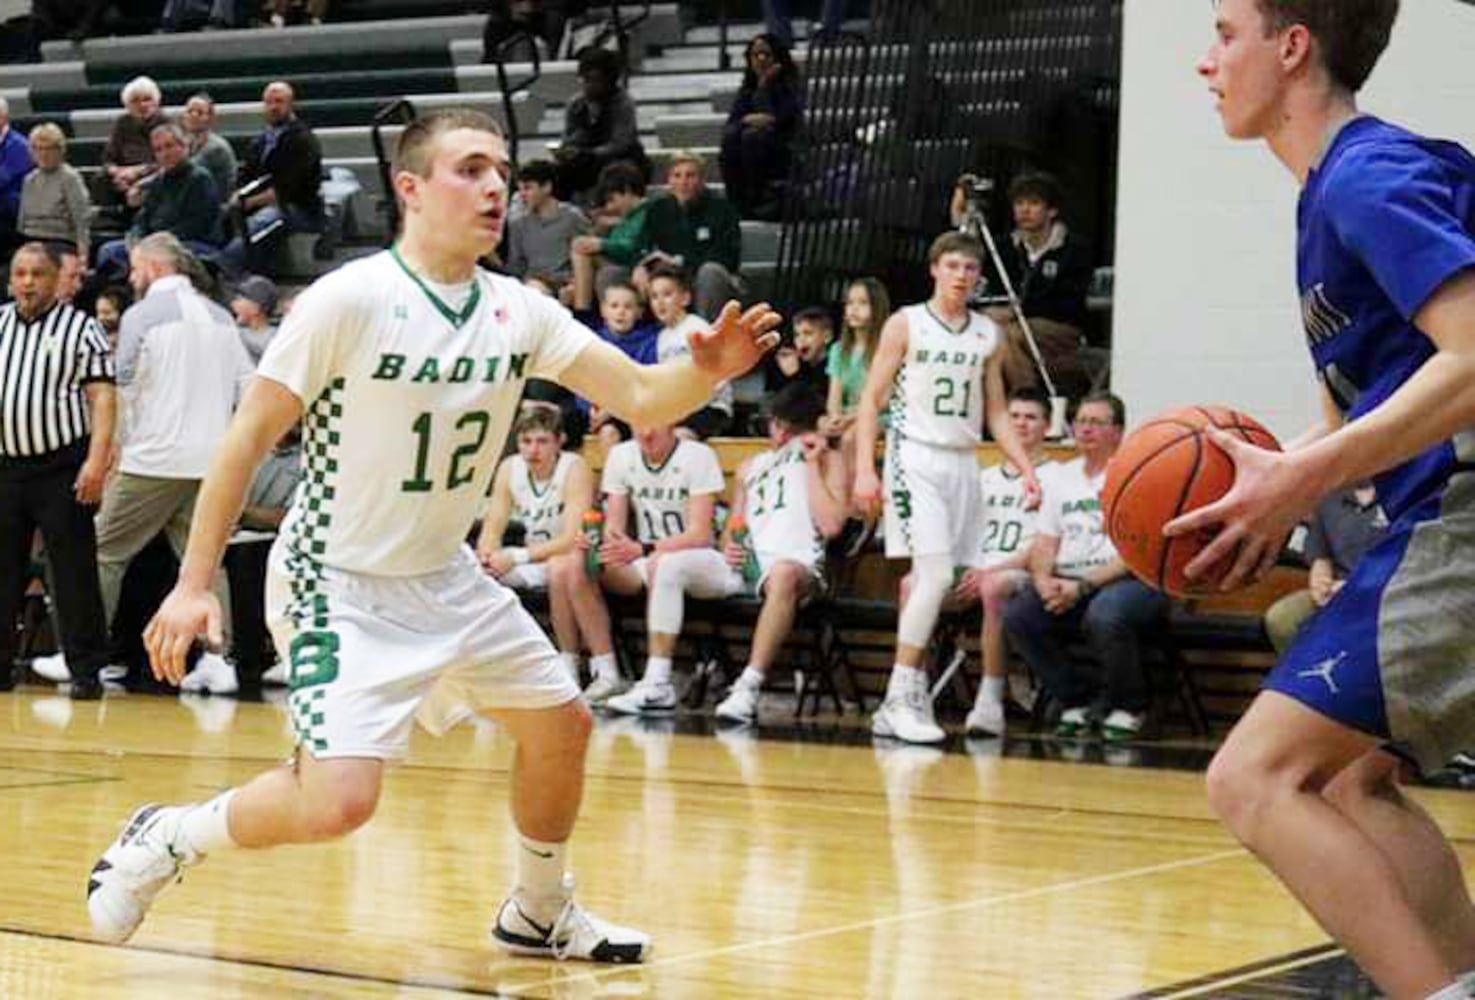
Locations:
(904, 679)
(605, 665)
(751, 677)
(1454, 991)
(657, 670)
(539, 879)
(205, 827)
(570, 663)
(992, 689)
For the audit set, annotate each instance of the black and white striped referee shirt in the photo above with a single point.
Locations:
(44, 366)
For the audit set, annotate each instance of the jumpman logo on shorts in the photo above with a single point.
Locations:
(1324, 671)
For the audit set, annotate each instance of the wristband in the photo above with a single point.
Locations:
(520, 556)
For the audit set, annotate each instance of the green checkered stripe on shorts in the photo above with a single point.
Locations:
(895, 434)
(307, 545)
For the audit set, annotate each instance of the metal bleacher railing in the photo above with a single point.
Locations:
(932, 90)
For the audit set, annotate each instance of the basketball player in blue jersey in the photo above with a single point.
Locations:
(1383, 679)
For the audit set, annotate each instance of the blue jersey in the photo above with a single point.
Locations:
(1385, 220)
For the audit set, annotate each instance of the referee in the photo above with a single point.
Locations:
(57, 409)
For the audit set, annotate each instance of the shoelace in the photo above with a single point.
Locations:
(570, 920)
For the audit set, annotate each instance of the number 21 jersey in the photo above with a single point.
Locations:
(938, 399)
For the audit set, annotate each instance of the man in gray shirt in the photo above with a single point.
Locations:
(541, 228)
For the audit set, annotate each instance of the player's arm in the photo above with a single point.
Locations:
(1274, 491)
(266, 412)
(996, 403)
(618, 548)
(665, 393)
(824, 475)
(489, 550)
(578, 496)
(700, 509)
(891, 352)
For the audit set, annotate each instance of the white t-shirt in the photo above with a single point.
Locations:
(407, 404)
(181, 369)
(776, 502)
(938, 398)
(658, 494)
(1008, 528)
(539, 506)
(671, 343)
(1071, 511)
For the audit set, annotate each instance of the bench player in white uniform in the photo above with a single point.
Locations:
(1002, 563)
(669, 487)
(546, 490)
(939, 365)
(793, 500)
(406, 369)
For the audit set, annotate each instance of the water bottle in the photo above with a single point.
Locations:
(741, 536)
(594, 533)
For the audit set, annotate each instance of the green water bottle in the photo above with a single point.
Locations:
(740, 535)
(594, 532)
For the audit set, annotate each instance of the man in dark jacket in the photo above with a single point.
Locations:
(599, 126)
(180, 199)
(697, 230)
(279, 184)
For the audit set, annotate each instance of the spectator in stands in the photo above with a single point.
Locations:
(15, 164)
(128, 157)
(776, 14)
(541, 229)
(792, 498)
(670, 487)
(1345, 525)
(621, 193)
(867, 307)
(70, 275)
(55, 207)
(316, 10)
(111, 303)
(1050, 268)
(73, 19)
(1002, 567)
(54, 458)
(181, 369)
(621, 322)
(507, 19)
(252, 305)
(546, 490)
(180, 199)
(759, 134)
(599, 126)
(802, 358)
(1082, 590)
(698, 231)
(207, 147)
(279, 184)
(670, 298)
(181, 14)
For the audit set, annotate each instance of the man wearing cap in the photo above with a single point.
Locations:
(253, 304)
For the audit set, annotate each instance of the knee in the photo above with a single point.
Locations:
(561, 575)
(784, 580)
(339, 811)
(569, 732)
(1244, 786)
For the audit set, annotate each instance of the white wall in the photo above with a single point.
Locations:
(1206, 304)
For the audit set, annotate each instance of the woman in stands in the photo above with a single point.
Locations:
(760, 129)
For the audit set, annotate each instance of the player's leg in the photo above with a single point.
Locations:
(576, 600)
(1115, 618)
(783, 590)
(1267, 783)
(1037, 634)
(987, 715)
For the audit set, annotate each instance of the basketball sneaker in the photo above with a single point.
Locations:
(1121, 725)
(276, 675)
(601, 689)
(132, 872)
(574, 934)
(212, 673)
(986, 718)
(54, 668)
(1073, 724)
(740, 705)
(907, 717)
(644, 699)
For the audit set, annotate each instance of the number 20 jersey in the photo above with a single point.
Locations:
(938, 399)
(407, 402)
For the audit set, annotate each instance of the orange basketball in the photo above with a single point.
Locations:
(1165, 468)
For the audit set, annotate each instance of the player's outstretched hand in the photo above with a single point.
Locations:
(187, 614)
(736, 341)
(1254, 519)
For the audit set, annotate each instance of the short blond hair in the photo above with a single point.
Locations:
(416, 147)
(687, 156)
(49, 132)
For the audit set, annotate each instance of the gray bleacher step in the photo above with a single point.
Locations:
(760, 241)
(700, 128)
(744, 32)
(38, 77)
(662, 27)
(361, 37)
(296, 262)
(697, 58)
(19, 99)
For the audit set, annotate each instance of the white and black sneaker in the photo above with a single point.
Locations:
(644, 699)
(132, 872)
(741, 705)
(574, 934)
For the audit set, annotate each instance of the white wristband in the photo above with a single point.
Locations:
(520, 556)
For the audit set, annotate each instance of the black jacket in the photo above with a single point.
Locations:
(295, 165)
(1055, 286)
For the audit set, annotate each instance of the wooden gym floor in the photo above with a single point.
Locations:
(764, 867)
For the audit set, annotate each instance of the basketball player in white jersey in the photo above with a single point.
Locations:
(546, 490)
(793, 500)
(938, 364)
(1002, 563)
(669, 487)
(406, 369)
